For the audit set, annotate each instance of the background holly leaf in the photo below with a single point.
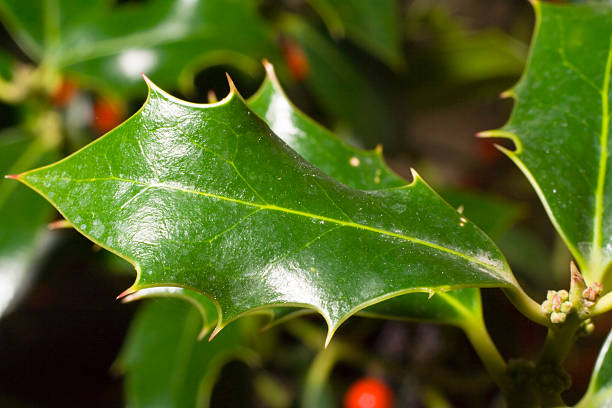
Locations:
(599, 393)
(23, 216)
(180, 187)
(374, 26)
(560, 126)
(173, 368)
(204, 305)
(339, 86)
(111, 45)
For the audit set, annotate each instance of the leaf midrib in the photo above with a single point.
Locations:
(271, 207)
(603, 158)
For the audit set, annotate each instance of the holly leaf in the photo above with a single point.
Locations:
(374, 26)
(367, 170)
(599, 393)
(110, 45)
(22, 216)
(201, 302)
(206, 197)
(360, 169)
(560, 127)
(152, 364)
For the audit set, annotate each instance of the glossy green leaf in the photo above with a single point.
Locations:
(599, 393)
(360, 169)
(560, 126)
(164, 363)
(364, 170)
(207, 197)
(367, 170)
(22, 216)
(108, 44)
(374, 26)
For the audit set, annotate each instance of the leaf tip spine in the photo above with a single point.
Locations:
(232, 86)
(125, 293)
(328, 338)
(269, 68)
(203, 332)
(148, 81)
(215, 332)
(59, 224)
(509, 93)
(415, 177)
(485, 133)
(12, 176)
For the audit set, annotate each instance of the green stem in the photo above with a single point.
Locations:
(526, 305)
(478, 335)
(559, 342)
(552, 378)
(603, 305)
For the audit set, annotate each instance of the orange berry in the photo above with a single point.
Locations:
(296, 59)
(107, 114)
(64, 93)
(368, 393)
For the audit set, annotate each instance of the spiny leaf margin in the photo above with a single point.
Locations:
(505, 279)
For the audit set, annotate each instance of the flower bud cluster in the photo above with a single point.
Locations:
(557, 305)
(591, 294)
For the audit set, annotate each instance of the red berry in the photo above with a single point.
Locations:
(368, 393)
(107, 114)
(296, 60)
(487, 152)
(64, 93)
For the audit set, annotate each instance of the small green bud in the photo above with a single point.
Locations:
(547, 307)
(557, 318)
(550, 294)
(564, 294)
(589, 328)
(566, 307)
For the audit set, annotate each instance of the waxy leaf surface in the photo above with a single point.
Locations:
(560, 126)
(207, 197)
(360, 169)
(364, 170)
(367, 170)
